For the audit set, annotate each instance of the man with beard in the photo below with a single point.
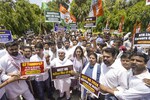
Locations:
(11, 65)
(113, 75)
(137, 90)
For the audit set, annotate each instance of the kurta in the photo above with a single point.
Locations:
(15, 88)
(62, 84)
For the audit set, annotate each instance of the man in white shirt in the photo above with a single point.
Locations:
(113, 75)
(137, 90)
(10, 62)
(42, 81)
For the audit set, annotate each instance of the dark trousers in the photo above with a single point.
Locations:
(4, 97)
(40, 87)
(148, 69)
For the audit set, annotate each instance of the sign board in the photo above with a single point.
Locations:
(90, 22)
(90, 84)
(61, 72)
(32, 68)
(73, 26)
(58, 27)
(5, 36)
(147, 2)
(2, 28)
(142, 39)
(52, 16)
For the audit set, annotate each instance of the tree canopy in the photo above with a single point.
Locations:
(22, 16)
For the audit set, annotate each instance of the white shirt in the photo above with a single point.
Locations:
(114, 76)
(137, 88)
(43, 76)
(15, 88)
(2, 90)
(2, 52)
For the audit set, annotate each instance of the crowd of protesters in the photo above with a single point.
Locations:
(121, 68)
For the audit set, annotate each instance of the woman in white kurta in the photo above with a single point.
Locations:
(63, 85)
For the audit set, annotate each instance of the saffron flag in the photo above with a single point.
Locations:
(73, 18)
(100, 8)
(147, 2)
(148, 28)
(138, 28)
(121, 24)
(62, 9)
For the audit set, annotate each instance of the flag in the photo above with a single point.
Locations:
(62, 9)
(138, 29)
(147, 2)
(148, 28)
(44, 5)
(107, 24)
(73, 18)
(121, 24)
(100, 9)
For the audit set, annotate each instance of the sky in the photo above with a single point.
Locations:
(38, 2)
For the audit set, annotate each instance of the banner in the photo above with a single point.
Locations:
(142, 39)
(59, 27)
(5, 36)
(61, 72)
(90, 22)
(31, 68)
(73, 26)
(90, 84)
(147, 2)
(52, 16)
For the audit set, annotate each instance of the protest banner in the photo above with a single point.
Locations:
(61, 72)
(73, 26)
(5, 36)
(142, 39)
(52, 16)
(32, 68)
(90, 22)
(90, 84)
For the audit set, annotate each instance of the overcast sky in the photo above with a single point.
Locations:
(38, 2)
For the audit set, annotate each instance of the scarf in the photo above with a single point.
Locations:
(94, 73)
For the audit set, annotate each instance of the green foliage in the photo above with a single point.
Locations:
(20, 17)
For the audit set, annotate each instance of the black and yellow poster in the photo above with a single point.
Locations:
(90, 84)
(61, 72)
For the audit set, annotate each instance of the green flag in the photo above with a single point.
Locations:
(44, 5)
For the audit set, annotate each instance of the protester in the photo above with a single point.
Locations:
(113, 75)
(42, 81)
(10, 62)
(92, 69)
(137, 89)
(79, 62)
(63, 85)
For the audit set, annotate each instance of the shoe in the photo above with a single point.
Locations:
(60, 98)
(52, 98)
(69, 99)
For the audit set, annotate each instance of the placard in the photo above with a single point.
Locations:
(32, 68)
(90, 22)
(142, 39)
(90, 84)
(61, 72)
(5, 36)
(52, 16)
